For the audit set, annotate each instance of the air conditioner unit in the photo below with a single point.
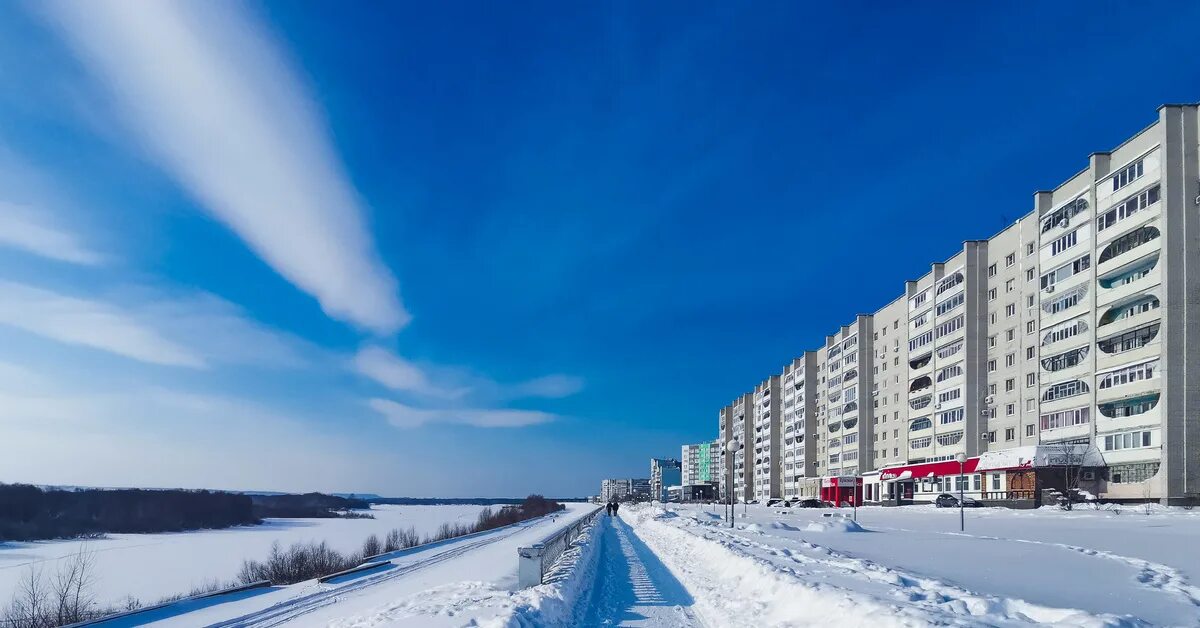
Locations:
(1087, 475)
(1050, 289)
(983, 437)
(1064, 222)
(937, 406)
(988, 400)
(984, 412)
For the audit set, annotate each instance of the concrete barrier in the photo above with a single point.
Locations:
(353, 570)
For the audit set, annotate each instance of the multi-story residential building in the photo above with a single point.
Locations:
(743, 448)
(725, 423)
(1075, 330)
(798, 449)
(639, 489)
(614, 490)
(664, 472)
(701, 465)
(848, 397)
(889, 390)
(768, 428)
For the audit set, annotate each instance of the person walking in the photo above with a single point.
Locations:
(608, 508)
(616, 507)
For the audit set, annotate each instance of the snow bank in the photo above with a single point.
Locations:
(559, 600)
(776, 577)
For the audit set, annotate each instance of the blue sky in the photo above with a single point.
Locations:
(476, 249)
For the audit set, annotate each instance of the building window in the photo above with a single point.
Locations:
(950, 326)
(1030, 248)
(1065, 301)
(1127, 440)
(1128, 242)
(992, 270)
(1029, 352)
(1132, 473)
(1132, 308)
(1061, 217)
(991, 294)
(1010, 409)
(1127, 175)
(1010, 334)
(951, 416)
(1010, 385)
(1130, 340)
(1129, 374)
(1030, 327)
(1062, 390)
(1008, 285)
(1010, 359)
(1029, 430)
(1010, 259)
(991, 366)
(950, 304)
(1063, 243)
(1065, 360)
(1030, 380)
(1065, 418)
(1127, 208)
(1066, 271)
(1010, 433)
(1010, 310)
(1030, 300)
(1030, 274)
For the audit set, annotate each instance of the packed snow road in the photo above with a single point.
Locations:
(633, 587)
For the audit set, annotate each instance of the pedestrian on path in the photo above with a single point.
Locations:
(616, 507)
(608, 508)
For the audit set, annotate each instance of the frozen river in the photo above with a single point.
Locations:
(152, 566)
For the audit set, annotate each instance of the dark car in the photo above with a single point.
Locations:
(946, 500)
(778, 502)
(811, 503)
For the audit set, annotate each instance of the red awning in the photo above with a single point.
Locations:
(923, 470)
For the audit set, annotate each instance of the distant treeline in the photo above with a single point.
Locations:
(30, 513)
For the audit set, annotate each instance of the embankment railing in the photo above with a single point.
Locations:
(533, 561)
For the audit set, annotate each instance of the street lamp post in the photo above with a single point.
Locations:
(962, 459)
(733, 446)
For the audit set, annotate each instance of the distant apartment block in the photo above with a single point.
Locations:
(664, 472)
(1074, 329)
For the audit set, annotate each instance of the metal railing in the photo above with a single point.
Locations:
(534, 561)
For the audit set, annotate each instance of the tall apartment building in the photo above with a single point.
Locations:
(768, 428)
(798, 449)
(743, 449)
(614, 490)
(848, 383)
(889, 390)
(1076, 325)
(701, 464)
(664, 472)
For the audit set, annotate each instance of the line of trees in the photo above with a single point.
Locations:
(29, 513)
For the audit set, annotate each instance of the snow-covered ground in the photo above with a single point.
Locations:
(152, 566)
(912, 566)
(465, 581)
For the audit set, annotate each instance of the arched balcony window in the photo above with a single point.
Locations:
(1130, 340)
(920, 383)
(949, 282)
(920, 362)
(850, 407)
(850, 423)
(1129, 407)
(949, 372)
(1062, 390)
(850, 375)
(1129, 274)
(1066, 330)
(1138, 305)
(922, 423)
(834, 426)
(1061, 217)
(920, 402)
(953, 438)
(1128, 242)
(920, 443)
(1065, 360)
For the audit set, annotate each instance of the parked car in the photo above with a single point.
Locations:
(811, 503)
(777, 502)
(946, 500)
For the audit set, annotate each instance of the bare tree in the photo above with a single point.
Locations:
(371, 546)
(72, 588)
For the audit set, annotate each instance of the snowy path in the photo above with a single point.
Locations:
(633, 587)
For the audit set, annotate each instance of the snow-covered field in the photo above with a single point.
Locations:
(912, 566)
(152, 566)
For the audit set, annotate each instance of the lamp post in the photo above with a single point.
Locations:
(962, 459)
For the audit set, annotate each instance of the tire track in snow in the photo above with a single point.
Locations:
(632, 587)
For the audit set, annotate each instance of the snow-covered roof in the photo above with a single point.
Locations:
(1041, 456)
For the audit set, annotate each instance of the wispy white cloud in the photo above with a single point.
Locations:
(195, 330)
(453, 382)
(37, 232)
(547, 387)
(89, 323)
(217, 104)
(400, 374)
(405, 416)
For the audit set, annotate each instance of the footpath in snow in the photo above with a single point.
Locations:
(632, 586)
